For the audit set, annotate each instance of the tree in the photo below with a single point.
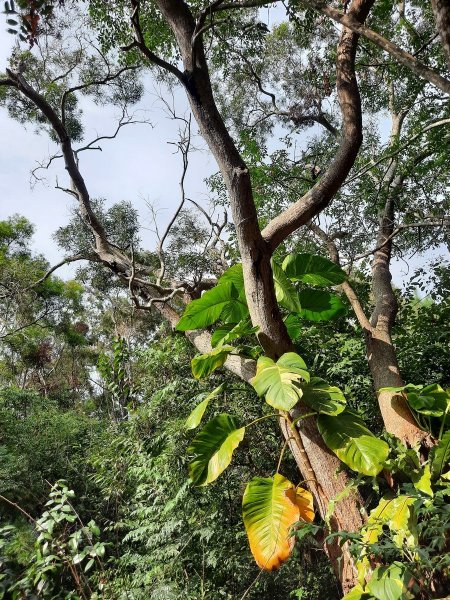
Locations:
(174, 37)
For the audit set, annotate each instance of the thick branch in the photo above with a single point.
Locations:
(403, 57)
(318, 197)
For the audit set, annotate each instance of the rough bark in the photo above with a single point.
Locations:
(441, 11)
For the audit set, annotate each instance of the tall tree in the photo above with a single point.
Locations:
(175, 37)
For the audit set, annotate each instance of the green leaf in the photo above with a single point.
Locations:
(213, 448)
(398, 515)
(357, 593)
(277, 381)
(293, 326)
(440, 456)
(432, 400)
(318, 305)
(287, 295)
(322, 397)
(207, 310)
(270, 506)
(196, 415)
(204, 364)
(313, 269)
(390, 583)
(423, 482)
(348, 437)
(228, 333)
(237, 310)
(223, 301)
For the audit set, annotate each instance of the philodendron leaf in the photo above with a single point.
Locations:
(348, 437)
(270, 507)
(228, 333)
(319, 305)
(196, 415)
(390, 583)
(322, 397)
(287, 295)
(237, 310)
(213, 448)
(204, 364)
(207, 310)
(277, 381)
(431, 400)
(313, 269)
(440, 456)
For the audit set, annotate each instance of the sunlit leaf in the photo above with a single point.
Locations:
(313, 269)
(348, 437)
(277, 381)
(229, 332)
(196, 415)
(389, 583)
(206, 310)
(270, 507)
(213, 448)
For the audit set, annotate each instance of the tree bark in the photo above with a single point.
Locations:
(441, 11)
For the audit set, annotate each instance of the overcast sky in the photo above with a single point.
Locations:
(139, 166)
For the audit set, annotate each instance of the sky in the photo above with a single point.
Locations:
(138, 166)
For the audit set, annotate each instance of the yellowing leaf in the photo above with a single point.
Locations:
(270, 507)
(304, 501)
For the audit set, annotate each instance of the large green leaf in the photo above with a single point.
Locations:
(229, 332)
(196, 415)
(322, 397)
(390, 583)
(319, 305)
(270, 506)
(348, 437)
(207, 310)
(277, 381)
(313, 269)
(431, 400)
(204, 364)
(237, 310)
(440, 456)
(213, 448)
(287, 295)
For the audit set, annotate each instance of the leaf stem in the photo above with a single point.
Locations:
(286, 441)
(265, 417)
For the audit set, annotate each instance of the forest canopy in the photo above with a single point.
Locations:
(251, 401)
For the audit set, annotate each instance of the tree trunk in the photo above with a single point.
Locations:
(441, 10)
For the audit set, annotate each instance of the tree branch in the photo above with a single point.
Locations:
(318, 197)
(405, 58)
